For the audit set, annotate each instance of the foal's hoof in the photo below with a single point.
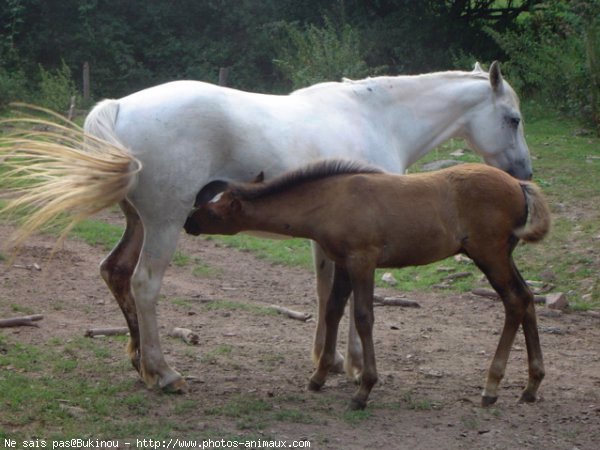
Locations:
(178, 386)
(314, 385)
(486, 400)
(527, 397)
(357, 405)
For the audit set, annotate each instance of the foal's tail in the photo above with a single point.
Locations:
(52, 166)
(539, 214)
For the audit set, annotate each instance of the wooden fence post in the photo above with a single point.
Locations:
(86, 81)
(223, 74)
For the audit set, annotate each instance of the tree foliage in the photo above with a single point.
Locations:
(275, 45)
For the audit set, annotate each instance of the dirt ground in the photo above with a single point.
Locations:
(432, 360)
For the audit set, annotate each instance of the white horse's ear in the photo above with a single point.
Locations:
(477, 67)
(496, 76)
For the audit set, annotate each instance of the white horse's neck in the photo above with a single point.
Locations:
(423, 111)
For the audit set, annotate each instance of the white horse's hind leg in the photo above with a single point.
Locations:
(159, 245)
(324, 269)
(117, 270)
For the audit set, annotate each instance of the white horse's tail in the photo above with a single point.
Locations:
(101, 120)
(54, 167)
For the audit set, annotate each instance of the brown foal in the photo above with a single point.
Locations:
(364, 218)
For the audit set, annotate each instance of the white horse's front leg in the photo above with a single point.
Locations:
(324, 269)
(157, 250)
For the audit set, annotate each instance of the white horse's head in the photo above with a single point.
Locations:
(495, 129)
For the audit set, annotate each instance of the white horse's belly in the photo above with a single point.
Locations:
(187, 134)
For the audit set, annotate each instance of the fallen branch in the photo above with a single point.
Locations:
(395, 301)
(110, 331)
(291, 313)
(482, 292)
(187, 335)
(35, 266)
(23, 321)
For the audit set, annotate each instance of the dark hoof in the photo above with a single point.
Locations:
(488, 401)
(357, 405)
(314, 386)
(526, 397)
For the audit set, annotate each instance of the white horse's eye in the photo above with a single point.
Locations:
(514, 120)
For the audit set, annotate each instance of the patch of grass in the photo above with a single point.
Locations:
(230, 305)
(416, 404)
(183, 302)
(21, 309)
(289, 252)
(433, 276)
(98, 234)
(249, 411)
(180, 259)
(470, 422)
(212, 356)
(203, 270)
(50, 386)
(356, 417)
(293, 416)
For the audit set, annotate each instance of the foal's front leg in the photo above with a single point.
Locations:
(352, 364)
(335, 310)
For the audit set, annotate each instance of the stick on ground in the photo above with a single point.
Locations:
(23, 321)
(188, 336)
(109, 331)
(291, 313)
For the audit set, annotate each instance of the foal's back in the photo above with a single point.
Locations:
(422, 218)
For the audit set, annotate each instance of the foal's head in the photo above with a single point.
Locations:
(221, 215)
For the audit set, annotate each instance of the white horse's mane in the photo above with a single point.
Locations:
(477, 73)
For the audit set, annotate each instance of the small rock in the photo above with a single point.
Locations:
(389, 279)
(557, 301)
(462, 259)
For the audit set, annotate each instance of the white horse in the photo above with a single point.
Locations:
(185, 135)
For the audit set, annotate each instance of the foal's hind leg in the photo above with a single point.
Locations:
(519, 309)
(117, 269)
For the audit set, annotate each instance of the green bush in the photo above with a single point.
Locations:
(553, 54)
(12, 87)
(315, 54)
(56, 88)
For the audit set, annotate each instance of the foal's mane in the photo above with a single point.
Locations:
(312, 172)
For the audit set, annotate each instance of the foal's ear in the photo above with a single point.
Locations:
(477, 67)
(235, 206)
(496, 77)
